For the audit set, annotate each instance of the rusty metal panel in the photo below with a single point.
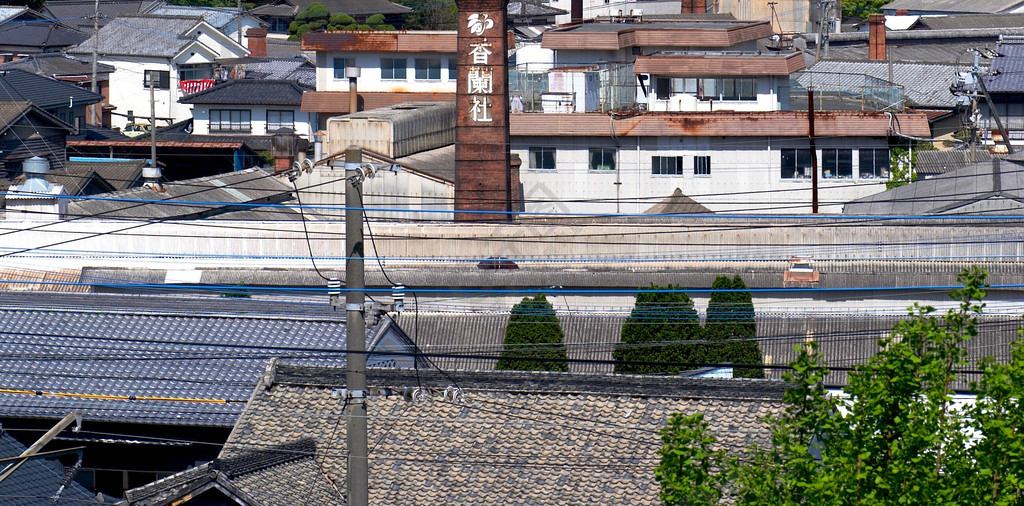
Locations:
(427, 42)
(350, 41)
(701, 65)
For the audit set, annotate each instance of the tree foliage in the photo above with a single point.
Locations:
(534, 340)
(431, 15)
(730, 319)
(896, 437)
(658, 318)
(862, 8)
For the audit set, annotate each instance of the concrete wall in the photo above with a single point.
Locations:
(303, 124)
(370, 74)
(745, 175)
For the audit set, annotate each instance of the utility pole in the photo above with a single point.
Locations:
(152, 122)
(41, 442)
(95, 53)
(357, 481)
(814, 151)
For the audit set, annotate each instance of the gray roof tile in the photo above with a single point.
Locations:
(36, 481)
(250, 92)
(55, 65)
(19, 86)
(1008, 67)
(952, 6)
(158, 36)
(921, 82)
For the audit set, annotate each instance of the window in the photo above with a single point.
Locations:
(667, 165)
(602, 159)
(428, 69)
(739, 89)
(453, 69)
(193, 72)
(542, 158)
(277, 120)
(837, 163)
(662, 87)
(392, 68)
(161, 79)
(874, 163)
(702, 165)
(230, 120)
(339, 67)
(796, 163)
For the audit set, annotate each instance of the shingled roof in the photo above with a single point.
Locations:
(488, 437)
(139, 359)
(56, 65)
(20, 86)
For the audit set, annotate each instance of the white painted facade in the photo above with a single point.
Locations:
(601, 8)
(304, 122)
(127, 89)
(745, 175)
(373, 79)
(768, 97)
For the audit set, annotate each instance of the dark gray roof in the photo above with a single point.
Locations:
(439, 162)
(37, 480)
(991, 188)
(295, 68)
(961, 21)
(182, 132)
(280, 48)
(952, 6)
(56, 65)
(1008, 67)
(250, 92)
(39, 36)
(926, 46)
(496, 437)
(18, 86)
(924, 84)
(521, 9)
(932, 162)
(146, 347)
(80, 12)
(217, 17)
(121, 175)
(677, 203)
(240, 191)
(157, 36)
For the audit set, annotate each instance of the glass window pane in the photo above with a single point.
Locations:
(339, 67)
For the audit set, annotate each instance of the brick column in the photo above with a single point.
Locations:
(483, 177)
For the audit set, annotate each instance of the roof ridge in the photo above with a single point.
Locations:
(257, 460)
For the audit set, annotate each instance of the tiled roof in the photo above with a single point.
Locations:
(926, 46)
(211, 350)
(962, 21)
(10, 11)
(519, 9)
(80, 11)
(55, 65)
(529, 438)
(17, 85)
(921, 84)
(719, 64)
(991, 188)
(1008, 67)
(39, 35)
(242, 190)
(250, 92)
(953, 6)
(282, 68)
(157, 36)
(218, 17)
(36, 481)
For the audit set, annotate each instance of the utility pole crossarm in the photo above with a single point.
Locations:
(41, 442)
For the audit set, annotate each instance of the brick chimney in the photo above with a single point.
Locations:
(576, 11)
(876, 37)
(693, 7)
(902, 12)
(257, 41)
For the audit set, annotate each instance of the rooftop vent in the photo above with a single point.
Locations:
(35, 170)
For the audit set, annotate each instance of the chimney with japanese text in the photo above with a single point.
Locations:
(484, 179)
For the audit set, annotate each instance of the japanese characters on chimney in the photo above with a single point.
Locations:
(483, 181)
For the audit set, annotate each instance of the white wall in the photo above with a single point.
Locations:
(767, 99)
(597, 8)
(303, 125)
(745, 175)
(370, 75)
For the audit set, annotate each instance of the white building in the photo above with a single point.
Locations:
(166, 51)
(394, 67)
(251, 107)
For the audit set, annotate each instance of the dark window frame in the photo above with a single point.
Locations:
(163, 79)
(597, 159)
(795, 163)
(702, 165)
(278, 125)
(539, 156)
(243, 125)
(837, 163)
(667, 165)
(391, 70)
(425, 68)
(873, 163)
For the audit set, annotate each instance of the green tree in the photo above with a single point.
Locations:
(862, 8)
(315, 17)
(895, 438)
(659, 318)
(431, 15)
(534, 340)
(730, 319)
(901, 167)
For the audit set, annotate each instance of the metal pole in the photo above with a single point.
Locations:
(355, 326)
(152, 121)
(995, 115)
(95, 54)
(353, 97)
(814, 151)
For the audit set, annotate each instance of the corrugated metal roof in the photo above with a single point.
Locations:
(965, 21)
(991, 188)
(939, 162)
(39, 35)
(187, 199)
(923, 83)
(726, 123)
(80, 12)
(250, 92)
(159, 36)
